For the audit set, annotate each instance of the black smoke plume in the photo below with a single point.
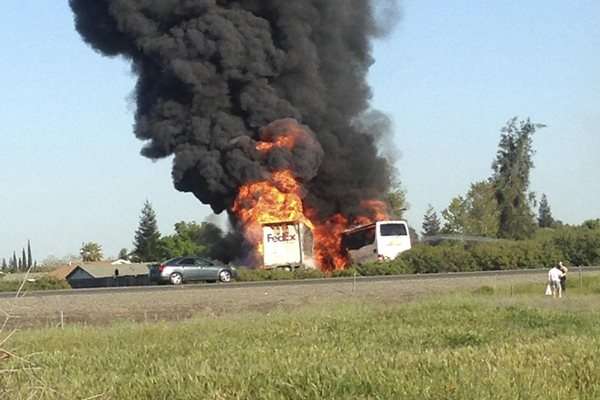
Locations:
(213, 73)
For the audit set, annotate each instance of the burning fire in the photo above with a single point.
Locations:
(328, 243)
(280, 199)
(377, 212)
(275, 200)
(287, 140)
(329, 252)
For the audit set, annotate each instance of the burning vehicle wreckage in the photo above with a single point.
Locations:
(264, 108)
(291, 244)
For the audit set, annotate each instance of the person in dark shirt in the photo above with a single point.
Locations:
(563, 278)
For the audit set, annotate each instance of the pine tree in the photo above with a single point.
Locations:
(14, 263)
(147, 237)
(4, 265)
(512, 166)
(431, 222)
(545, 219)
(29, 258)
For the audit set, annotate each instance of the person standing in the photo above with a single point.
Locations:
(554, 276)
(563, 278)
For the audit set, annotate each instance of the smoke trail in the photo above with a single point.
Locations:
(213, 73)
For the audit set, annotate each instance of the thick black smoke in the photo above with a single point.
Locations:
(212, 73)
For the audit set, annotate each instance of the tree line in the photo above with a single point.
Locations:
(190, 239)
(24, 262)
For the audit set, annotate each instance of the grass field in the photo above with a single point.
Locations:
(502, 343)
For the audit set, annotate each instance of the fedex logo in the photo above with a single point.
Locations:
(283, 237)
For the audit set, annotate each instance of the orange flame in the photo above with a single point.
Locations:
(328, 235)
(276, 200)
(376, 210)
(286, 141)
(328, 249)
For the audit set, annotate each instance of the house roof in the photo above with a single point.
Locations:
(62, 272)
(104, 270)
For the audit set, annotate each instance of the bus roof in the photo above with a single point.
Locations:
(372, 225)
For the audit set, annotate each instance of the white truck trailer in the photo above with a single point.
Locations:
(288, 245)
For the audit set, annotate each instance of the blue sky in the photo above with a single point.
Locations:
(449, 77)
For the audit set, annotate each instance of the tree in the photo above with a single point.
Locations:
(414, 236)
(24, 260)
(123, 254)
(513, 163)
(146, 244)
(455, 216)
(475, 214)
(190, 238)
(545, 219)
(29, 258)
(14, 263)
(396, 200)
(431, 222)
(4, 265)
(482, 215)
(91, 252)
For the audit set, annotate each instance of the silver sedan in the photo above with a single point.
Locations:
(186, 269)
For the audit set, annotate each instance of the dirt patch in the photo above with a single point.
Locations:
(106, 308)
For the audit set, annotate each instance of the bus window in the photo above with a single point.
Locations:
(393, 230)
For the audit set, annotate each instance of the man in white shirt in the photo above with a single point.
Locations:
(554, 276)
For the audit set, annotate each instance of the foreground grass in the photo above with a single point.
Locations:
(460, 347)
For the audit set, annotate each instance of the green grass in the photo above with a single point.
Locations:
(466, 346)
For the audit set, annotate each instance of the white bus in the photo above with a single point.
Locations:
(382, 240)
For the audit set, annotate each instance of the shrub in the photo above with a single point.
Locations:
(580, 246)
(42, 283)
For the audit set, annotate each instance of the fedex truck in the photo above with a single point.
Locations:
(287, 245)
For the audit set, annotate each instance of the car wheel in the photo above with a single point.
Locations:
(176, 278)
(225, 276)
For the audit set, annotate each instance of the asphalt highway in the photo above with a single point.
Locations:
(328, 281)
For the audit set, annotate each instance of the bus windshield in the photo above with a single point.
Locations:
(393, 230)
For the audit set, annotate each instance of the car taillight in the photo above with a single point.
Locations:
(161, 267)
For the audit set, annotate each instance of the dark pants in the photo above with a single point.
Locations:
(563, 283)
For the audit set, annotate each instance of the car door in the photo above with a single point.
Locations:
(188, 268)
(208, 271)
